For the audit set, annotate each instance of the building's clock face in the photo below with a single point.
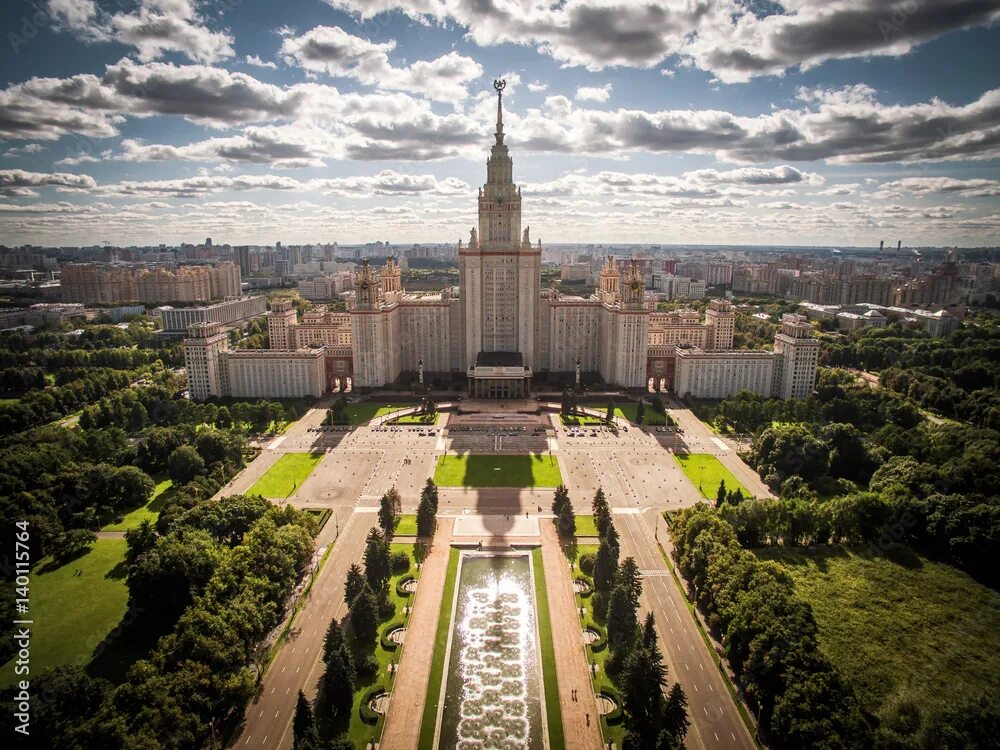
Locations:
(636, 286)
(364, 285)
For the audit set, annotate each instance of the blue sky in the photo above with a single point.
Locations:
(732, 121)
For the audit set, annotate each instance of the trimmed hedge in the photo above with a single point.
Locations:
(368, 716)
(400, 591)
(387, 643)
(616, 715)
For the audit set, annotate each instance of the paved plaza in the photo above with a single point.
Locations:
(639, 474)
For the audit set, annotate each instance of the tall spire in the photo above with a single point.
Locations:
(499, 85)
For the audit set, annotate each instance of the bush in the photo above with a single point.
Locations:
(400, 562)
(587, 564)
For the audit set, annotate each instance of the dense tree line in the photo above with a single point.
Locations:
(769, 636)
(38, 407)
(200, 675)
(122, 358)
(61, 480)
(955, 375)
(141, 407)
(852, 462)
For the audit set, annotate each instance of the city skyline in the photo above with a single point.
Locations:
(170, 120)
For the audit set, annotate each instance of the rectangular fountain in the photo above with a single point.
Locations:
(492, 697)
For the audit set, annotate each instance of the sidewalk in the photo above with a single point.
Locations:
(567, 643)
(409, 693)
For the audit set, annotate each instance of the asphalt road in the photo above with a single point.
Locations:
(298, 663)
(715, 720)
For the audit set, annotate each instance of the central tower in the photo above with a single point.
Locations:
(500, 272)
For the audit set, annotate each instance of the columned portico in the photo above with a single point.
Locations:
(499, 375)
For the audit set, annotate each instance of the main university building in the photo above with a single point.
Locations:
(501, 329)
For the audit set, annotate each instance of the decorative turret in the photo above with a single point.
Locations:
(633, 289)
(391, 277)
(610, 276)
(366, 286)
(525, 240)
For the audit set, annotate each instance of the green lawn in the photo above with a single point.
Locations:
(418, 419)
(479, 470)
(706, 471)
(363, 412)
(286, 475)
(585, 526)
(550, 683)
(627, 410)
(923, 631)
(150, 511)
(429, 722)
(73, 613)
(581, 420)
(406, 525)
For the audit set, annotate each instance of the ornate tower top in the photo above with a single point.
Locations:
(634, 287)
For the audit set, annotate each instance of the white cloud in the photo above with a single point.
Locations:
(18, 182)
(734, 39)
(537, 86)
(154, 28)
(971, 188)
(331, 50)
(257, 62)
(593, 93)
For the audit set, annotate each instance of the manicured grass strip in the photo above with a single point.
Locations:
(888, 624)
(553, 711)
(627, 410)
(406, 525)
(706, 471)
(484, 470)
(429, 722)
(286, 475)
(418, 419)
(585, 526)
(150, 511)
(365, 411)
(580, 420)
(73, 613)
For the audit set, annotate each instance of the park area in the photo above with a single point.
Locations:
(286, 475)
(706, 472)
(912, 633)
(479, 470)
(74, 607)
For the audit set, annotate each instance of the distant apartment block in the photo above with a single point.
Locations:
(214, 370)
(788, 372)
(107, 284)
(227, 313)
(326, 286)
